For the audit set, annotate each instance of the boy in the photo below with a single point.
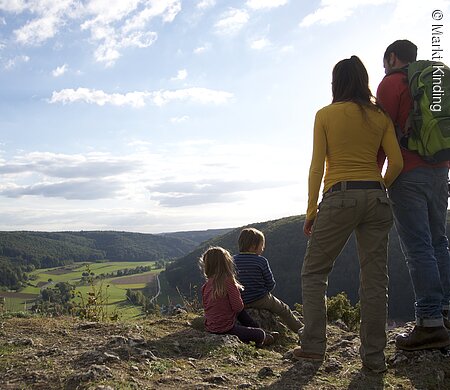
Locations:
(255, 275)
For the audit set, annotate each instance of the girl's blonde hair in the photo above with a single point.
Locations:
(218, 263)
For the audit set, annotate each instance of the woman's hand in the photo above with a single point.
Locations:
(307, 227)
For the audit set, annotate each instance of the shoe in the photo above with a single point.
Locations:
(423, 338)
(299, 354)
(275, 335)
(268, 340)
(375, 369)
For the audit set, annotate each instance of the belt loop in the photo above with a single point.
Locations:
(343, 185)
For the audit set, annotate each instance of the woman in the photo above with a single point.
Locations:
(347, 137)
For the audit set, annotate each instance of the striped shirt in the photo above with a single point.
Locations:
(221, 313)
(255, 275)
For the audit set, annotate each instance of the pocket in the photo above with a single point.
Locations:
(384, 210)
(339, 211)
(409, 194)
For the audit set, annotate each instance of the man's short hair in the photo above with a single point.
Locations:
(250, 239)
(405, 50)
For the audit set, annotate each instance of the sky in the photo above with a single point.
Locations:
(172, 115)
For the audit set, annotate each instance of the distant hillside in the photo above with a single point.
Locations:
(198, 236)
(285, 249)
(23, 251)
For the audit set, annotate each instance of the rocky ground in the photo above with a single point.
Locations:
(174, 353)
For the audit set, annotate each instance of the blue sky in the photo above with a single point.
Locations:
(170, 115)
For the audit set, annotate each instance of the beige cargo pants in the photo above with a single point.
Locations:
(367, 212)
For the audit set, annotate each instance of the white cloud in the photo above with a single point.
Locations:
(181, 75)
(287, 49)
(133, 32)
(113, 24)
(50, 16)
(186, 193)
(260, 44)
(60, 70)
(204, 4)
(70, 189)
(232, 21)
(3, 21)
(179, 119)
(202, 49)
(108, 52)
(92, 96)
(74, 166)
(38, 30)
(196, 95)
(13, 62)
(167, 9)
(138, 99)
(331, 11)
(265, 4)
(16, 6)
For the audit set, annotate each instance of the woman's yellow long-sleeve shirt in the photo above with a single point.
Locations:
(347, 140)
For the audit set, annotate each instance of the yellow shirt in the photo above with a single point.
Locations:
(348, 142)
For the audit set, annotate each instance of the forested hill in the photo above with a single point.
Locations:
(23, 251)
(198, 236)
(285, 249)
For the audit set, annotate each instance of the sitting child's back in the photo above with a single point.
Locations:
(254, 273)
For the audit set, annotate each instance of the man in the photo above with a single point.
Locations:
(419, 198)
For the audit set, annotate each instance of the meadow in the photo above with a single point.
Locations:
(114, 287)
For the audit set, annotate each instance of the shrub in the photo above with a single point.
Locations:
(340, 308)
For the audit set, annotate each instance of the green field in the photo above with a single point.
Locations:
(115, 292)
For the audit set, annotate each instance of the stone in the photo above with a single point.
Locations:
(22, 342)
(265, 372)
(217, 379)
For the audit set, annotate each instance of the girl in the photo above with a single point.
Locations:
(222, 300)
(347, 137)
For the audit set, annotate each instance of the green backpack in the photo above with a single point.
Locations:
(429, 119)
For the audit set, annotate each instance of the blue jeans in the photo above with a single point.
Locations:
(419, 199)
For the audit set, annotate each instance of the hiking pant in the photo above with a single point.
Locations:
(274, 305)
(247, 330)
(419, 201)
(366, 212)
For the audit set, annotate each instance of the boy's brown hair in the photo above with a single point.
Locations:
(250, 239)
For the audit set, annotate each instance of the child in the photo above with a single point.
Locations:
(222, 300)
(255, 275)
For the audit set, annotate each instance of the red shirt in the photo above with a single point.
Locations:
(394, 96)
(220, 313)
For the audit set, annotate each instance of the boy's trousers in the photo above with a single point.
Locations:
(274, 305)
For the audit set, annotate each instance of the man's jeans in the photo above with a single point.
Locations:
(419, 199)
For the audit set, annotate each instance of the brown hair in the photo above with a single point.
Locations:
(350, 83)
(218, 263)
(405, 50)
(250, 239)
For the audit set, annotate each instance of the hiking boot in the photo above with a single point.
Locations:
(375, 369)
(299, 354)
(268, 340)
(423, 338)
